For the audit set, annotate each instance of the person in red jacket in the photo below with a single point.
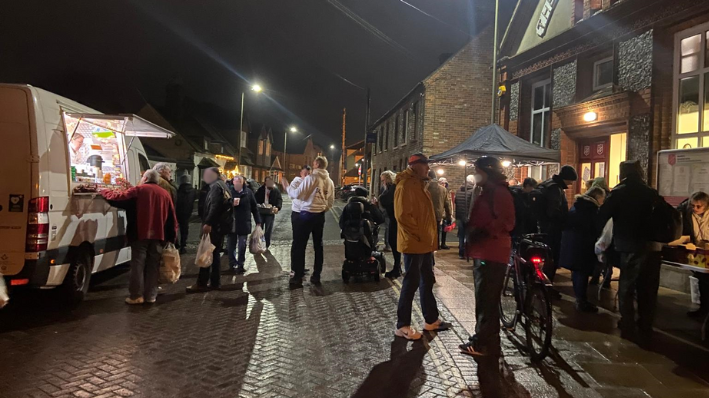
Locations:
(156, 224)
(492, 218)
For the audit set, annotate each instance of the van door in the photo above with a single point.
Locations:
(15, 176)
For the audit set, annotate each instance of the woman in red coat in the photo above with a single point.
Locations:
(492, 218)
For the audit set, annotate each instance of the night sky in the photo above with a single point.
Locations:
(115, 55)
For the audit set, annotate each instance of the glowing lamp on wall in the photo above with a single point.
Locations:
(590, 116)
(440, 172)
(461, 163)
(506, 163)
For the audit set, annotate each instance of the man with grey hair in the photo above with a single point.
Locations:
(151, 223)
(165, 179)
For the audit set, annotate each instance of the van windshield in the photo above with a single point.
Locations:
(96, 153)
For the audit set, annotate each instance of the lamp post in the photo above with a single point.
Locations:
(256, 88)
(292, 129)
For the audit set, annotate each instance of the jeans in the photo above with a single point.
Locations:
(267, 221)
(489, 278)
(639, 276)
(212, 274)
(144, 268)
(461, 237)
(307, 223)
(387, 223)
(580, 281)
(231, 241)
(419, 275)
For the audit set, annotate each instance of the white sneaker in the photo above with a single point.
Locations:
(131, 301)
(439, 326)
(408, 333)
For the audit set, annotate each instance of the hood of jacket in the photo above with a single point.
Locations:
(321, 174)
(585, 200)
(406, 175)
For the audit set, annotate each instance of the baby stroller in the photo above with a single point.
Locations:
(358, 230)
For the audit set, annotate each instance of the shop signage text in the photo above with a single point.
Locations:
(545, 17)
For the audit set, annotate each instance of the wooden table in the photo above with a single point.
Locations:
(700, 270)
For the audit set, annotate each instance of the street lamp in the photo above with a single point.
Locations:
(293, 129)
(332, 146)
(257, 89)
(461, 163)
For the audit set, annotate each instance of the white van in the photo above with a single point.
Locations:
(51, 236)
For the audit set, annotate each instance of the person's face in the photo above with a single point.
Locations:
(601, 199)
(569, 183)
(238, 183)
(209, 176)
(421, 170)
(699, 207)
(77, 142)
(382, 181)
(269, 183)
(480, 177)
(166, 173)
(303, 173)
(315, 165)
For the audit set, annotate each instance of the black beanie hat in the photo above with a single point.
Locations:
(568, 173)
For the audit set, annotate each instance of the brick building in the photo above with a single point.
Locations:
(443, 109)
(606, 80)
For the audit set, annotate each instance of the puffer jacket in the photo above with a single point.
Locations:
(464, 200)
(415, 215)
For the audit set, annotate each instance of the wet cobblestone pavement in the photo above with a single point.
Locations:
(257, 338)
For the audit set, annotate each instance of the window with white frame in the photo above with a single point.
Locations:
(541, 115)
(415, 113)
(602, 73)
(691, 88)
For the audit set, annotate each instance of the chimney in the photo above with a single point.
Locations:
(174, 98)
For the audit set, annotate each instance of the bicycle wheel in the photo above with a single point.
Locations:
(508, 301)
(539, 321)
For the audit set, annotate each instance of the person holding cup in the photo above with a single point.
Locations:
(244, 207)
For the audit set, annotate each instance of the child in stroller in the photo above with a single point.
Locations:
(359, 224)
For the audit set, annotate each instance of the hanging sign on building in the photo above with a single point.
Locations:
(545, 16)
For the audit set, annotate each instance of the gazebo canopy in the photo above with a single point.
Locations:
(493, 140)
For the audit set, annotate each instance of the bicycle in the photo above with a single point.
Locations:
(525, 294)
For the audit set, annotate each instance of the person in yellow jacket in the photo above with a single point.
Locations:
(417, 239)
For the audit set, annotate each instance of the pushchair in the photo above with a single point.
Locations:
(358, 232)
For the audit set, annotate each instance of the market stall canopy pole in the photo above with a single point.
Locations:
(493, 140)
(130, 125)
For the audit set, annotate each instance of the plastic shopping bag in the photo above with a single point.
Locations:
(605, 240)
(170, 269)
(4, 298)
(694, 290)
(204, 252)
(257, 244)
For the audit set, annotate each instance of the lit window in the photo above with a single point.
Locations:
(541, 115)
(691, 88)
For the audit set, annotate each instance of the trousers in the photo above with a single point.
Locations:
(307, 223)
(489, 278)
(419, 276)
(144, 268)
(639, 277)
(212, 274)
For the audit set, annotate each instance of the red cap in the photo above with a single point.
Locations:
(417, 158)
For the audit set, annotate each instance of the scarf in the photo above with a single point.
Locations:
(701, 227)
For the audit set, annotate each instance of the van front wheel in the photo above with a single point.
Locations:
(78, 277)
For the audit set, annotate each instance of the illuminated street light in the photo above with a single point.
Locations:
(293, 129)
(590, 116)
(461, 163)
(332, 146)
(256, 88)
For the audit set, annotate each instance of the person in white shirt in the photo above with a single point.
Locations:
(316, 194)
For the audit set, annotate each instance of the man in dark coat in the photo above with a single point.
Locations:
(630, 205)
(551, 214)
(217, 221)
(578, 244)
(155, 224)
(464, 200)
(186, 196)
(244, 207)
(268, 195)
(525, 222)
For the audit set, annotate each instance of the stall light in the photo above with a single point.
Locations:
(590, 116)
(461, 163)
(440, 172)
(506, 163)
(225, 157)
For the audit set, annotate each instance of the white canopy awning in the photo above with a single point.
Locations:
(128, 124)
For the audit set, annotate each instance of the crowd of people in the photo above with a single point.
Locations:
(602, 228)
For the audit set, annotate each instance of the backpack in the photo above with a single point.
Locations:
(665, 221)
(538, 197)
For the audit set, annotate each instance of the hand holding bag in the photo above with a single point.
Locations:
(4, 298)
(257, 244)
(204, 252)
(170, 269)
